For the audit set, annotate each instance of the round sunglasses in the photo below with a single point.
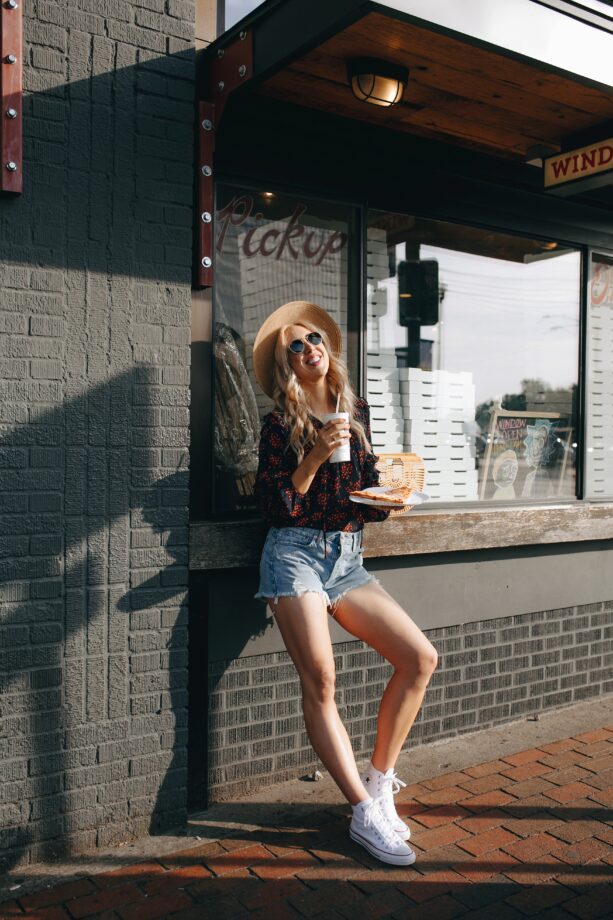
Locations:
(297, 346)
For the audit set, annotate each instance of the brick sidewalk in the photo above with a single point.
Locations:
(528, 835)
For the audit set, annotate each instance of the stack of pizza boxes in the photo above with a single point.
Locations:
(439, 410)
(383, 385)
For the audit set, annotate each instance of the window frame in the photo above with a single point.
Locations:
(357, 323)
(591, 252)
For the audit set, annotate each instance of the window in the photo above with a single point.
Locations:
(472, 357)
(599, 408)
(270, 248)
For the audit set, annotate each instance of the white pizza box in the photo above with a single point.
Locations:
(384, 445)
(435, 434)
(388, 411)
(460, 448)
(416, 376)
(423, 436)
(378, 258)
(452, 469)
(435, 413)
(458, 455)
(381, 373)
(434, 403)
(383, 386)
(383, 399)
(386, 427)
(443, 395)
(432, 426)
(464, 495)
(449, 477)
(436, 397)
(416, 373)
(376, 295)
(378, 359)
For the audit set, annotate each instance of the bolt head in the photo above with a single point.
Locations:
(12, 4)
(206, 171)
(11, 113)
(206, 217)
(221, 86)
(242, 70)
(207, 124)
(11, 166)
(243, 35)
(220, 52)
(206, 262)
(11, 59)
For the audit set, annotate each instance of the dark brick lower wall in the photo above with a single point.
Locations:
(489, 672)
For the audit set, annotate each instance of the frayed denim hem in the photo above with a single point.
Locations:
(333, 606)
(273, 601)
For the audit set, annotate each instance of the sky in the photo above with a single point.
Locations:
(236, 9)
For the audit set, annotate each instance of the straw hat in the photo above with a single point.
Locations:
(292, 313)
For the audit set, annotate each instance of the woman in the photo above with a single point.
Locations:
(312, 562)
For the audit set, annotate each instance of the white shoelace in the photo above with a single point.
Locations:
(390, 785)
(382, 826)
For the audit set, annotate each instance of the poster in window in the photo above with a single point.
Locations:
(526, 457)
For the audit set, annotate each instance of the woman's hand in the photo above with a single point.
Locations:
(333, 434)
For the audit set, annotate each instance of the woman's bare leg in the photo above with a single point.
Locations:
(372, 615)
(303, 622)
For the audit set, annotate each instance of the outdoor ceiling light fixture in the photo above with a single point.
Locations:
(376, 81)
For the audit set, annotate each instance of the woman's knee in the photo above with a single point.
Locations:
(419, 664)
(318, 683)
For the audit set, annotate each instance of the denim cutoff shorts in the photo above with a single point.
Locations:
(298, 559)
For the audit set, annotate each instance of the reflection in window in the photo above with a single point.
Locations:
(473, 341)
(270, 249)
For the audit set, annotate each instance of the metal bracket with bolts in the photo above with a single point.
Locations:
(11, 87)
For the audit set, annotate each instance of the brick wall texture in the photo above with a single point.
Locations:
(95, 266)
(489, 672)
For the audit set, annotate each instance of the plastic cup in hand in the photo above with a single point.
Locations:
(343, 453)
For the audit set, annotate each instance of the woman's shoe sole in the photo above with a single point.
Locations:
(379, 854)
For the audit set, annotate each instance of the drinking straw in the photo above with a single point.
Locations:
(338, 401)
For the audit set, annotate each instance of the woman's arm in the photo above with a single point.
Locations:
(281, 488)
(328, 439)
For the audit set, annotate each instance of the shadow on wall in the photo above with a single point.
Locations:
(94, 660)
(95, 309)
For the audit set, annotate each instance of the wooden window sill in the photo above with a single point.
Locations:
(235, 544)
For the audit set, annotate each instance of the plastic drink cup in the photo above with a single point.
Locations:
(343, 453)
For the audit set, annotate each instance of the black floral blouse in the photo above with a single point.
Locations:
(326, 506)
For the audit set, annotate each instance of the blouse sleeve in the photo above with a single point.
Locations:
(276, 497)
(370, 473)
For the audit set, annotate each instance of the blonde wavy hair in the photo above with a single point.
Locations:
(291, 399)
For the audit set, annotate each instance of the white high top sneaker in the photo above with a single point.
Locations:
(371, 829)
(383, 787)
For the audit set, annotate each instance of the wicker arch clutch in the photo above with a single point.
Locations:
(401, 470)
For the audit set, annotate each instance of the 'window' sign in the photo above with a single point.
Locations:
(580, 170)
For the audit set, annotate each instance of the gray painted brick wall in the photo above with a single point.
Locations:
(489, 672)
(95, 264)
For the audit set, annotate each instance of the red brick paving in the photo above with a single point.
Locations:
(526, 835)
